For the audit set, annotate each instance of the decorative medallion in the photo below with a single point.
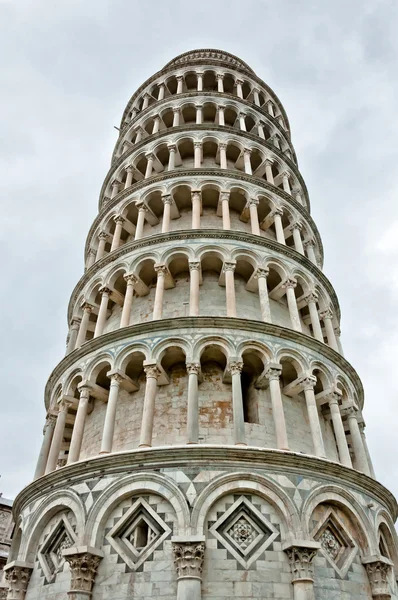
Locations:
(50, 554)
(337, 544)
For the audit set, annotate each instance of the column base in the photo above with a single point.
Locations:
(144, 446)
(240, 444)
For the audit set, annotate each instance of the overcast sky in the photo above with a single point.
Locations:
(67, 70)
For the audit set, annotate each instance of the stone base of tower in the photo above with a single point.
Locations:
(210, 522)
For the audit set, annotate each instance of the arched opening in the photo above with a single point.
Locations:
(209, 112)
(176, 299)
(212, 295)
(253, 366)
(209, 82)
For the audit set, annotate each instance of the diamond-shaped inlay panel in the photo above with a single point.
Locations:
(138, 533)
(50, 555)
(337, 544)
(244, 531)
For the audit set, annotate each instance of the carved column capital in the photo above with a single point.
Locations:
(151, 371)
(289, 283)
(228, 266)
(104, 290)
(220, 76)
(167, 199)
(273, 371)
(17, 576)
(197, 144)
(311, 297)
(296, 225)
(309, 242)
(225, 195)
(378, 571)
(130, 279)
(87, 307)
(188, 559)
(301, 561)
(326, 314)
(261, 272)
(235, 367)
(193, 368)
(247, 151)
(119, 219)
(83, 568)
(161, 270)
(253, 202)
(103, 235)
(308, 382)
(194, 265)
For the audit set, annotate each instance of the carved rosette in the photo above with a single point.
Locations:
(188, 559)
(83, 569)
(378, 573)
(301, 562)
(17, 578)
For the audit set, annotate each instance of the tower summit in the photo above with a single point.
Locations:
(204, 436)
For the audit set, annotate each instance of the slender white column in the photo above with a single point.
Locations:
(78, 427)
(246, 157)
(134, 112)
(226, 220)
(256, 97)
(361, 461)
(280, 120)
(139, 135)
(301, 558)
(270, 108)
(327, 317)
(339, 432)
(48, 433)
(268, 171)
(81, 338)
(167, 202)
(110, 415)
(280, 235)
(101, 319)
(103, 237)
(260, 130)
(311, 301)
(193, 403)
(118, 232)
(221, 115)
(365, 445)
(161, 271)
(172, 157)
(156, 125)
(131, 280)
(285, 181)
(239, 90)
(261, 276)
(145, 103)
(91, 258)
(296, 192)
(199, 82)
(235, 368)
(162, 89)
(228, 269)
(242, 122)
(289, 285)
(220, 82)
(58, 436)
(308, 384)
(298, 243)
(275, 140)
(194, 270)
(197, 154)
(73, 333)
(223, 155)
(255, 225)
(176, 116)
(196, 201)
(199, 114)
(129, 176)
(309, 245)
(139, 230)
(152, 374)
(188, 560)
(273, 373)
(115, 188)
(149, 166)
(180, 81)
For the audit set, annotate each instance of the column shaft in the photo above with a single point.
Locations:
(55, 448)
(103, 309)
(195, 210)
(194, 271)
(361, 461)
(197, 155)
(316, 325)
(81, 338)
(166, 214)
(193, 404)
(278, 412)
(230, 292)
(263, 295)
(237, 404)
(110, 416)
(117, 234)
(298, 243)
(280, 236)
(292, 305)
(315, 425)
(226, 219)
(255, 225)
(78, 427)
(139, 230)
(128, 302)
(152, 374)
(45, 446)
(158, 303)
(339, 433)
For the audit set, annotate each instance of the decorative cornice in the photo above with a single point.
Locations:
(233, 457)
(223, 323)
(206, 53)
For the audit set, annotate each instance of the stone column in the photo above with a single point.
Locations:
(180, 81)
(176, 116)
(193, 403)
(337, 333)
(145, 103)
(285, 180)
(296, 192)
(365, 445)
(17, 576)
(73, 333)
(199, 82)
(221, 115)
(194, 271)
(129, 177)
(308, 384)
(235, 368)
(149, 165)
(162, 88)
(110, 416)
(239, 90)
(138, 137)
(48, 433)
(139, 230)
(167, 201)
(172, 156)
(272, 373)
(115, 188)
(242, 122)
(103, 309)
(280, 236)
(128, 300)
(361, 461)
(228, 269)
(196, 199)
(118, 232)
(379, 570)
(91, 258)
(246, 157)
(270, 108)
(81, 338)
(256, 97)
(223, 155)
(78, 427)
(309, 245)
(268, 171)
(103, 237)
(327, 317)
(289, 285)
(152, 374)
(301, 563)
(156, 125)
(83, 564)
(298, 243)
(220, 82)
(226, 219)
(188, 560)
(197, 155)
(58, 436)
(261, 276)
(199, 114)
(260, 130)
(255, 225)
(311, 301)
(161, 271)
(338, 427)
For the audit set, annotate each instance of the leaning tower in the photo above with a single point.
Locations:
(204, 436)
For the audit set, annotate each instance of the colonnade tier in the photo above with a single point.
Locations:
(211, 109)
(120, 391)
(205, 147)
